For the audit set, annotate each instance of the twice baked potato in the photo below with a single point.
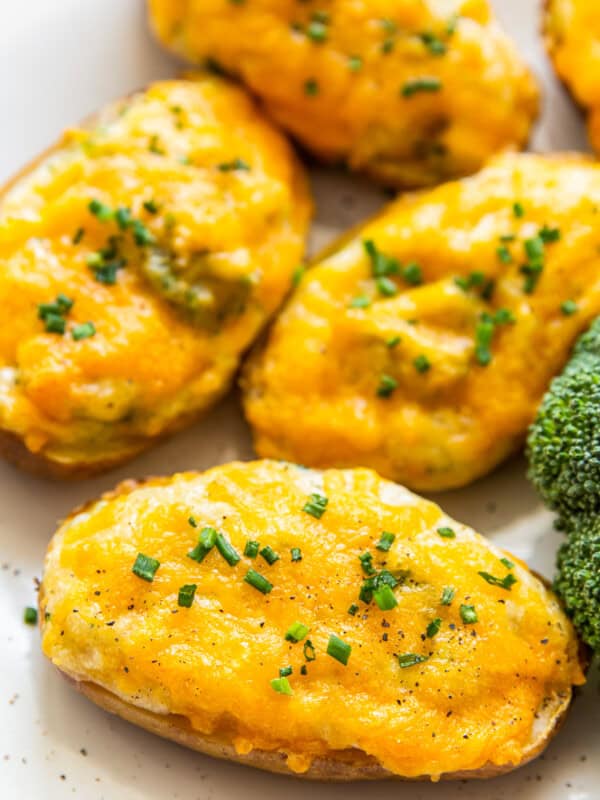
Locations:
(422, 343)
(394, 88)
(329, 625)
(572, 35)
(141, 255)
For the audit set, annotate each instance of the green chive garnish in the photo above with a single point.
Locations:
(504, 254)
(410, 659)
(507, 563)
(446, 533)
(338, 649)
(236, 165)
(518, 209)
(251, 549)
(297, 275)
(79, 234)
(297, 632)
(309, 651)
(227, 550)
(206, 542)
(123, 217)
(316, 505)
(194, 524)
(151, 206)
(285, 671)
(145, 567)
(366, 562)
(385, 598)
(416, 85)
(435, 45)
(433, 628)
(30, 616)
(355, 63)
(387, 386)
(258, 581)
(569, 307)
(185, 598)
(503, 583)
(413, 274)
(83, 331)
(422, 363)
(269, 555)
(296, 554)
(101, 211)
(385, 541)
(549, 235)
(353, 609)
(447, 597)
(468, 614)
(393, 341)
(281, 686)
(359, 302)
(311, 87)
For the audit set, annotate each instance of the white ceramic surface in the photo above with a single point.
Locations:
(59, 61)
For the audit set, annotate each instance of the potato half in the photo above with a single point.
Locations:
(422, 343)
(141, 255)
(412, 93)
(572, 35)
(329, 625)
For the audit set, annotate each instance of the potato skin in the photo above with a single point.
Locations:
(393, 88)
(572, 37)
(187, 172)
(201, 675)
(350, 375)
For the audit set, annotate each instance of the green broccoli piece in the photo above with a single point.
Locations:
(564, 441)
(578, 580)
(564, 464)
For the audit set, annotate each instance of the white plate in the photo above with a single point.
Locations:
(59, 61)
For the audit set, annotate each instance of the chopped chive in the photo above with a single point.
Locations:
(145, 567)
(258, 581)
(518, 209)
(83, 331)
(484, 333)
(227, 550)
(251, 549)
(303, 670)
(236, 165)
(385, 598)
(269, 555)
(569, 307)
(410, 660)
(447, 597)
(309, 651)
(79, 234)
(468, 614)
(385, 541)
(507, 563)
(366, 562)
(355, 63)
(381, 265)
(422, 364)
(316, 505)
(338, 649)
(54, 323)
(387, 386)
(393, 341)
(281, 686)
(435, 45)
(296, 632)
(151, 206)
(503, 583)
(416, 85)
(284, 672)
(206, 542)
(447, 533)
(311, 87)
(185, 598)
(386, 287)
(297, 275)
(101, 211)
(123, 217)
(470, 281)
(362, 301)
(433, 628)
(549, 235)
(507, 237)
(296, 554)
(30, 616)
(141, 234)
(504, 254)
(317, 31)
(413, 274)
(193, 523)
(353, 609)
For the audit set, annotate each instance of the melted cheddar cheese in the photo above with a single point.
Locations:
(396, 88)
(572, 29)
(421, 344)
(420, 700)
(179, 195)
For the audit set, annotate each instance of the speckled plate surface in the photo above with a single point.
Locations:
(59, 61)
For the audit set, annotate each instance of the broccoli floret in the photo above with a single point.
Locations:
(578, 579)
(564, 441)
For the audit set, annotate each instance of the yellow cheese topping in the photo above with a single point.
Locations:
(140, 257)
(421, 344)
(572, 29)
(411, 92)
(450, 678)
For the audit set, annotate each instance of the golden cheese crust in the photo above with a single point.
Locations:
(421, 344)
(394, 88)
(458, 661)
(141, 256)
(572, 35)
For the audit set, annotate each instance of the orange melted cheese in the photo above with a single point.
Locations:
(312, 395)
(572, 29)
(472, 702)
(148, 368)
(346, 77)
